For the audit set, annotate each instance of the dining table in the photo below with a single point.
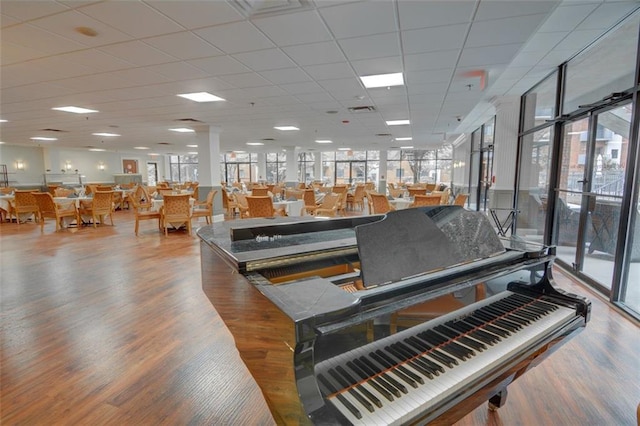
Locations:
(291, 207)
(401, 203)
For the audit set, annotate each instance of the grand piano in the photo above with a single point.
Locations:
(414, 317)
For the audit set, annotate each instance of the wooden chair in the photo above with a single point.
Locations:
(357, 198)
(460, 200)
(293, 193)
(205, 209)
(430, 187)
(262, 206)
(229, 205)
(48, 208)
(380, 204)
(176, 209)
(241, 205)
(342, 191)
(62, 192)
(426, 200)
(309, 198)
(142, 213)
(142, 198)
(165, 191)
(259, 191)
(329, 206)
(396, 193)
(23, 206)
(444, 196)
(413, 191)
(99, 207)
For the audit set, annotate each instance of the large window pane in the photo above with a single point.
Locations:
(539, 103)
(605, 68)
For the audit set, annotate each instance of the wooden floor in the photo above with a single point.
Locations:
(102, 327)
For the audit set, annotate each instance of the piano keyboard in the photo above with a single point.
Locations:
(393, 380)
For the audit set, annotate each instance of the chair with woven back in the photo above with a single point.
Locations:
(48, 208)
(99, 207)
(341, 189)
(229, 204)
(380, 204)
(141, 197)
(165, 191)
(444, 196)
(290, 194)
(143, 213)
(396, 193)
(205, 209)
(357, 198)
(176, 211)
(62, 192)
(23, 206)
(426, 200)
(262, 206)
(241, 204)
(430, 186)
(259, 191)
(309, 198)
(460, 200)
(413, 191)
(328, 207)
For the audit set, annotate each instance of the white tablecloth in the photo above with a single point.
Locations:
(401, 203)
(292, 208)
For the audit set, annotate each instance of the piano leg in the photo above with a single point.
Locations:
(498, 400)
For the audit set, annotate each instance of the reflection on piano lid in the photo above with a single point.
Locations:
(382, 319)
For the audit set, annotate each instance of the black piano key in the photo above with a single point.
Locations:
(361, 399)
(446, 345)
(455, 335)
(408, 380)
(387, 377)
(382, 379)
(501, 322)
(507, 315)
(488, 327)
(398, 366)
(371, 397)
(436, 368)
(375, 382)
(483, 336)
(431, 352)
(415, 363)
(330, 389)
(531, 311)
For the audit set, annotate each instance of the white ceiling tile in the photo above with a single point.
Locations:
(429, 76)
(219, 65)
(330, 71)
(489, 10)
(263, 60)
(287, 75)
(431, 60)
(498, 31)
(264, 92)
(134, 18)
(198, 14)
(295, 28)
(250, 79)
(529, 58)
(39, 40)
(138, 53)
(179, 71)
(305, 87)
(577, 40)
(390, 64)
(360, 19)
(434, 39)
(64, 25)
(140, 76)
(314, 97)
(12, 53)
(6, 21)
(567, 16)
(489, 55)
(32, 91)
(235, 37)
(421, 14)
(607, 15)
(183, 45)
(376, 46)
(315, 53)
(96, 60)
(544, 41)
(21, 10)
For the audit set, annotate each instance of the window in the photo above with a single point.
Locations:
(183, 168)
(412, 166)
(276, 167)
(306, 167)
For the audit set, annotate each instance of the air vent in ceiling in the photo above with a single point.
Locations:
(268, 139)
(188, 120)
(365, 108)
(253, 8)
(384, 135)
(54, 130)
(164, 143)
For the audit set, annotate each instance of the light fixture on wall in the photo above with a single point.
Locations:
(19, 165)
(101, 166)
(68, 165)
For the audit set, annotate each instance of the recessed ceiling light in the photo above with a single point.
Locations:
(192, 153)
(141, 147)
(97, 149)
(255, 143)
(382, 80)
(323, 141)
(404, 139)
(192, 146)
(344, 149)
(239, 152)
(1, 143)
(397, 122)
(153, 154)
(183, 130)
(406, 147)
(75, 110)
(43, 138)
(285, 128)
(105, 134)
(201, 97)
(3, 121)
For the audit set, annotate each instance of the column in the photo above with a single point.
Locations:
(209, 167)
(261, 168)
(505, 146)
(382, 180)
(291, 175)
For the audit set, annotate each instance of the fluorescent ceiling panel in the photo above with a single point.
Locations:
(397, 122)
(382, 80)
(201, 97)
(42, 138)
(323, 141)
(75, 109)
(286, 128)
(105, 134)
(182, 130)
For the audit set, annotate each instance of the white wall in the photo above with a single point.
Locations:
(31, 158)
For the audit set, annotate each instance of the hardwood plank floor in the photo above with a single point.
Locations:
(102, 327)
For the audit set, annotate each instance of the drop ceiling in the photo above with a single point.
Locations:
(276, 63)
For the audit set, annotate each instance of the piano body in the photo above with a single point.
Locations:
(413, 317)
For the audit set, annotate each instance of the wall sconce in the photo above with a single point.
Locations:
(19, 165)
(68, 166)
(101, 166)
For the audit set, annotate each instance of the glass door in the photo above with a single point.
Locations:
(590, 190)
(349, 172)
